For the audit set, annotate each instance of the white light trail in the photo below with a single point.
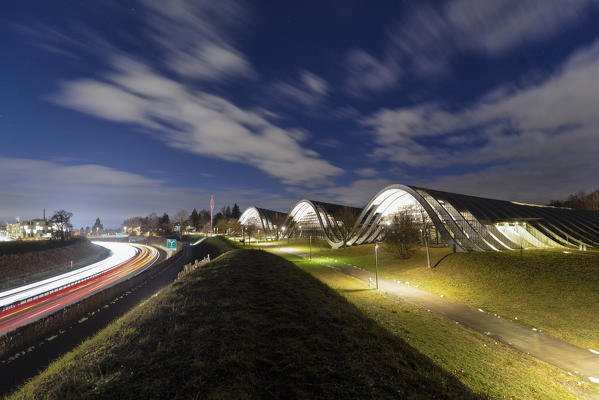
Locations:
(119, 253)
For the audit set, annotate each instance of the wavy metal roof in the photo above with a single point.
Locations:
(469, 223)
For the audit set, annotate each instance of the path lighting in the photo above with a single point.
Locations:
(310, 247)
(376, 264)
(428, 254)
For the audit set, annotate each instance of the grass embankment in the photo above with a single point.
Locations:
(214, 246)
(548, 290)
(26, 261)
(486, 367)
(247, 325)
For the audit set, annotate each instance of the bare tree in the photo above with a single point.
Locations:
(234, 226)
(579, 201)
(152, 222)
(181, 218)
(62, 220)
(346, 218)
(221, 225)
(402, 234)
(250, 230)
(277, 221)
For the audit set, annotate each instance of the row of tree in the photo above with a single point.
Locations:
(183, 220)
(579, 201)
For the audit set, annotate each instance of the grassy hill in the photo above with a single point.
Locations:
(247, 325)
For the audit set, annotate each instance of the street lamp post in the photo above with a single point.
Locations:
(310, 247)
(428, 254)
(376, 264)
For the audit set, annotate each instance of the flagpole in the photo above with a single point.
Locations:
(211, 212)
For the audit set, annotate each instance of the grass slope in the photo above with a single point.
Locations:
(485, 366)
(548, 290)
(247, 325)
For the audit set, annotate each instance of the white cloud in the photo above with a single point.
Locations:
(308, 90)
(356, 194)
(91, 190)
(314, 82)
(196, 37)
(367, 74)
(366, 172)
(196, 122)
(426, 39)
(213, 62)
(541, 133)
(500, 25)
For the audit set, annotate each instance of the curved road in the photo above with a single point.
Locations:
(28, 303)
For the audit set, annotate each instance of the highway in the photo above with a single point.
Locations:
(22, 305)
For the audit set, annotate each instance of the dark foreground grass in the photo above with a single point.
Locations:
(248, 325)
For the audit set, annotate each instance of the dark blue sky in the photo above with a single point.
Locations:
(115, 109)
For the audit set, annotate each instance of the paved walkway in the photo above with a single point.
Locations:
(555, 351)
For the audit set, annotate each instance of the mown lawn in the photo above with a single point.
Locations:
(248, 325)
(486, 367)
(548, 290)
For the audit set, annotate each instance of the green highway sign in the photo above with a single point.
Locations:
(171, 244)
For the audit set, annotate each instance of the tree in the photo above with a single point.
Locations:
(234, 226)
(402, 233)
(62, 220)
(227, 212)
(278, 220)
(250, 230)
(235, 212)
(579, 201)
(97, 226)
(194, 219)
(346, 218)
(87, 230)
(152, 222)
(181, 219)
(165, 223)
(221, 226)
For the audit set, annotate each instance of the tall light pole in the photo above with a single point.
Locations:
(428, 254)
(376, 264)
(310, 247)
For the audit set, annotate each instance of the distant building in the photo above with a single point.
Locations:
(35, 228)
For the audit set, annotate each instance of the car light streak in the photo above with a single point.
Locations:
(126, 261)
(119, 253)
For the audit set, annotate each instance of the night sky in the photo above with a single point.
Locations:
(122, 108)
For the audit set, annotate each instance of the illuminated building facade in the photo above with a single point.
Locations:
(466, 223)
(269, 223)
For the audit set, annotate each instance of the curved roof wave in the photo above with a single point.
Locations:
(469, 223)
